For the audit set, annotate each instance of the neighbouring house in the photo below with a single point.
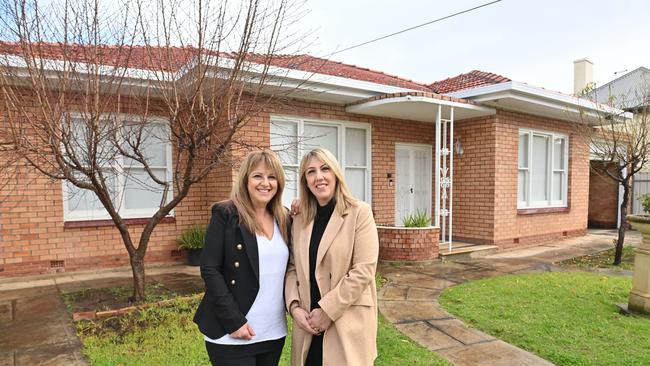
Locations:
(629, 92)
(492, 160)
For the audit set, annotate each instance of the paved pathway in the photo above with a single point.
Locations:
(409, 298)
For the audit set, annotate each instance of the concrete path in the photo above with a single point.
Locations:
(35, 327)
(409, 298)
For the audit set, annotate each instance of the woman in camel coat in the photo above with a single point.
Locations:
(330, 284)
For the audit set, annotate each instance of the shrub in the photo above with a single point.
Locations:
(192, 237)
(645, 202)
(417, 219)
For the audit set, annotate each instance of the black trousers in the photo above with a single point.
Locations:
(315, 354)
(265, 353)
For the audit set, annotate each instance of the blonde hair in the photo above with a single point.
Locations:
(308, 201)
(242, 199)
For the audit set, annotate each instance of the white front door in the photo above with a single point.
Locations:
(413, 180)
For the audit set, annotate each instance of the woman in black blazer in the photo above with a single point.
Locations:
(243, 264)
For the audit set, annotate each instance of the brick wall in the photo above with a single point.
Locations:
(603, 198)
(408, 244)
(34, 239)
(33, 233)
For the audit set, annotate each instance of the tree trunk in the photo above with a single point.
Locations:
(137, 266)
(618, 254)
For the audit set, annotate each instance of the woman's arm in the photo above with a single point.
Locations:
(362, 270)
(212, 259)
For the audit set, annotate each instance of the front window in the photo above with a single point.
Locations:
(291, 138)
(542, 176)
(133, 191)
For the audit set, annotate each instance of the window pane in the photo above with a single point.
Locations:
(355, 147)
(140, 191)
(558, 186)
(523, 150)
(356, 180)
(539, 171)
(522, 189)
(83, 200)
(321, 136)
(153, 141)
(284, 141)
(290, 187)
(82, 133)
(558, 154)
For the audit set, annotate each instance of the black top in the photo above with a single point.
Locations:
(323, 214)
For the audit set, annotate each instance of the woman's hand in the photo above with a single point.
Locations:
(301, 318)
(319, 320)
(295, 206)
(245, 332)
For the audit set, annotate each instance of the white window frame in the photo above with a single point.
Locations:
(527, 201)
(118, 167)
(341, 135)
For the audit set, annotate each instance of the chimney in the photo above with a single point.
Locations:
(583, 75)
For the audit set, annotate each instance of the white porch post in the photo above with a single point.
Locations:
(451, 173)
(437, 169)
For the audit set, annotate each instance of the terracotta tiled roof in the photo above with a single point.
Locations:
(163, 59)
(472, 79)
(173, 58)
(322, 66)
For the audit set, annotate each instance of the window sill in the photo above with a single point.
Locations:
(542, 210)
(105, 223)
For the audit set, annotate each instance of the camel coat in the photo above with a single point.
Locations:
(345, 272)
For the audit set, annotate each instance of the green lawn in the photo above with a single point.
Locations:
(566, 318)
(167, 336)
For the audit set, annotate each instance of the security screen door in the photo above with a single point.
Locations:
(413, 180)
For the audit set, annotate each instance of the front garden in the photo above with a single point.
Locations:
(166, 335)
(566, 318)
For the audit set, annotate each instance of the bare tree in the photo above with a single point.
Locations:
(622, 142)
(102, 97)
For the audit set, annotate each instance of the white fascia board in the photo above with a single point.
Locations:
(373, 103)
(18, 62)
(537, 95)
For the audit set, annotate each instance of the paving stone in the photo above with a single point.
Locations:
(422, 294)
(66, 353)
(419, 280)
(459, 331)
(495, 353)
(13, 294)
(38, 308)
(427, 336)
(394, 293)
(442, 268)
(5, 311)
(7, 358)
(400, 311)
(19, 334)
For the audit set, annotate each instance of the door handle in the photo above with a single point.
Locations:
(411, 190)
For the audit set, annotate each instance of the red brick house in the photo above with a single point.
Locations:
(493, 161)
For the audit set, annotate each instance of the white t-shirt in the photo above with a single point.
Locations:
(267, 316)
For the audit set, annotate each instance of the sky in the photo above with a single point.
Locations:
(529, 41)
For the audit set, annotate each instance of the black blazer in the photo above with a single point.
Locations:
(230, 270)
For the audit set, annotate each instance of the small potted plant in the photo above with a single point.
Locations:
(192, 240)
